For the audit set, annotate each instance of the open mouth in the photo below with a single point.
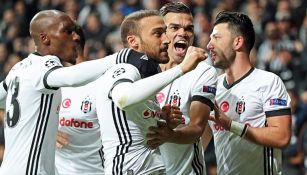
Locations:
(181, 47)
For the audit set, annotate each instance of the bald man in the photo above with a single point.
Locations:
(32, 93)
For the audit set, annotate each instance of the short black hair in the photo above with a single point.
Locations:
(238, 23)
(175, 7)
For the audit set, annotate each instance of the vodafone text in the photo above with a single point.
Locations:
(75, 123)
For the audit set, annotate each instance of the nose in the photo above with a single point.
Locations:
(209, 45)
(75, 37)
(165, 39)
(182, 32)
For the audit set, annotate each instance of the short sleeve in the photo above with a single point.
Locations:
(204, 90)
(42, 69)
(276, 98)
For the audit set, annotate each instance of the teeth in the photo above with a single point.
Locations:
(181, 42)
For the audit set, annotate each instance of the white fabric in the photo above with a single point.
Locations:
(124, 132)
(31, 123)
(127, 94)
(187, 158)
(78, 118)
(246, 102)
(79, 74)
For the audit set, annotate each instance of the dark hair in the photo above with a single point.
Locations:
(130, 25)
(238, 23)
(175, 7)
(80, 32)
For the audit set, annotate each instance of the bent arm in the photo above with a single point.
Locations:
(277, 134)
(206, 136)
(79, 74)
(126, 94)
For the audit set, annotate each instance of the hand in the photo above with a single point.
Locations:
(156, 136)
(193, 56)
(172, 115)
(220, 118)
(62, 139)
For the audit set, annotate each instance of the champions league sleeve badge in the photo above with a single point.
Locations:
(51, 63)
(240, 106)
(86, 105)
(118, 72)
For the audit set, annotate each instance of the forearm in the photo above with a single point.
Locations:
(128, 94)
(277, 134)
(206, 137)
(79, 74)
(186, 135)
(268, 136)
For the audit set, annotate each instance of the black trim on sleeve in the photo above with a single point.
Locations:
(4, 85)
(118, 82)
(278, 112)
(46, 75)
(203, 100)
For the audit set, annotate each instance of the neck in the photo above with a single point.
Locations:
(238, 69)
(168, 65)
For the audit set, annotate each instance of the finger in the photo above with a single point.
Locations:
(59, 146)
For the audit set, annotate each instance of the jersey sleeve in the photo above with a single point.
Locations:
(276, 98)
(121, 73)
(42, 70)
(204, 90)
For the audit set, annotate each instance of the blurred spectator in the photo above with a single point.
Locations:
(98, 6)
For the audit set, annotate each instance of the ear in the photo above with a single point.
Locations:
(44, 38)
(238, 42)
(133, 41)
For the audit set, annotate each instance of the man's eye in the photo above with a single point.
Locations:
(174, 28)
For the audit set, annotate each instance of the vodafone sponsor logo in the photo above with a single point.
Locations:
(75, 123)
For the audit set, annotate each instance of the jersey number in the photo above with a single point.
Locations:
(12, 115)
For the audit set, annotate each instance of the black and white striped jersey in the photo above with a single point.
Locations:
(31, 117)
(123, 132)
(252, 99)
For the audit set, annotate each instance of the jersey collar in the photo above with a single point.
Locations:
(227, 86)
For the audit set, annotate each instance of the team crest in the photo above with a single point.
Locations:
(86, 105)
(51, 63)
(175, 99)
(240, 106)
(118, 72)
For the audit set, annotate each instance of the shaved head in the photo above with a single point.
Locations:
(42, 21)
(54, 33)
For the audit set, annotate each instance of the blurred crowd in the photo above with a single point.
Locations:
(281, 43)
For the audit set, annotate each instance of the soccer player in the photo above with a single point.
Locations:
(193, 92)
(126, 106)
(252, 119)
(79, 147)
(32, 92)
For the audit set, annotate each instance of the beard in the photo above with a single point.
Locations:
(225, 59)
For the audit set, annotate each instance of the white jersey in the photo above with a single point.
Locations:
(78, 118)
(123, 133)
(197, 85)
(31, 117)
(251, 100)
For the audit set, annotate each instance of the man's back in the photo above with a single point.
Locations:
(31, 122)
(123, 132)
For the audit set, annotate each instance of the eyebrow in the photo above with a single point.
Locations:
(178, 25)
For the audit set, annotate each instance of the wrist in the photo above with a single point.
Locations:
(237, 128)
